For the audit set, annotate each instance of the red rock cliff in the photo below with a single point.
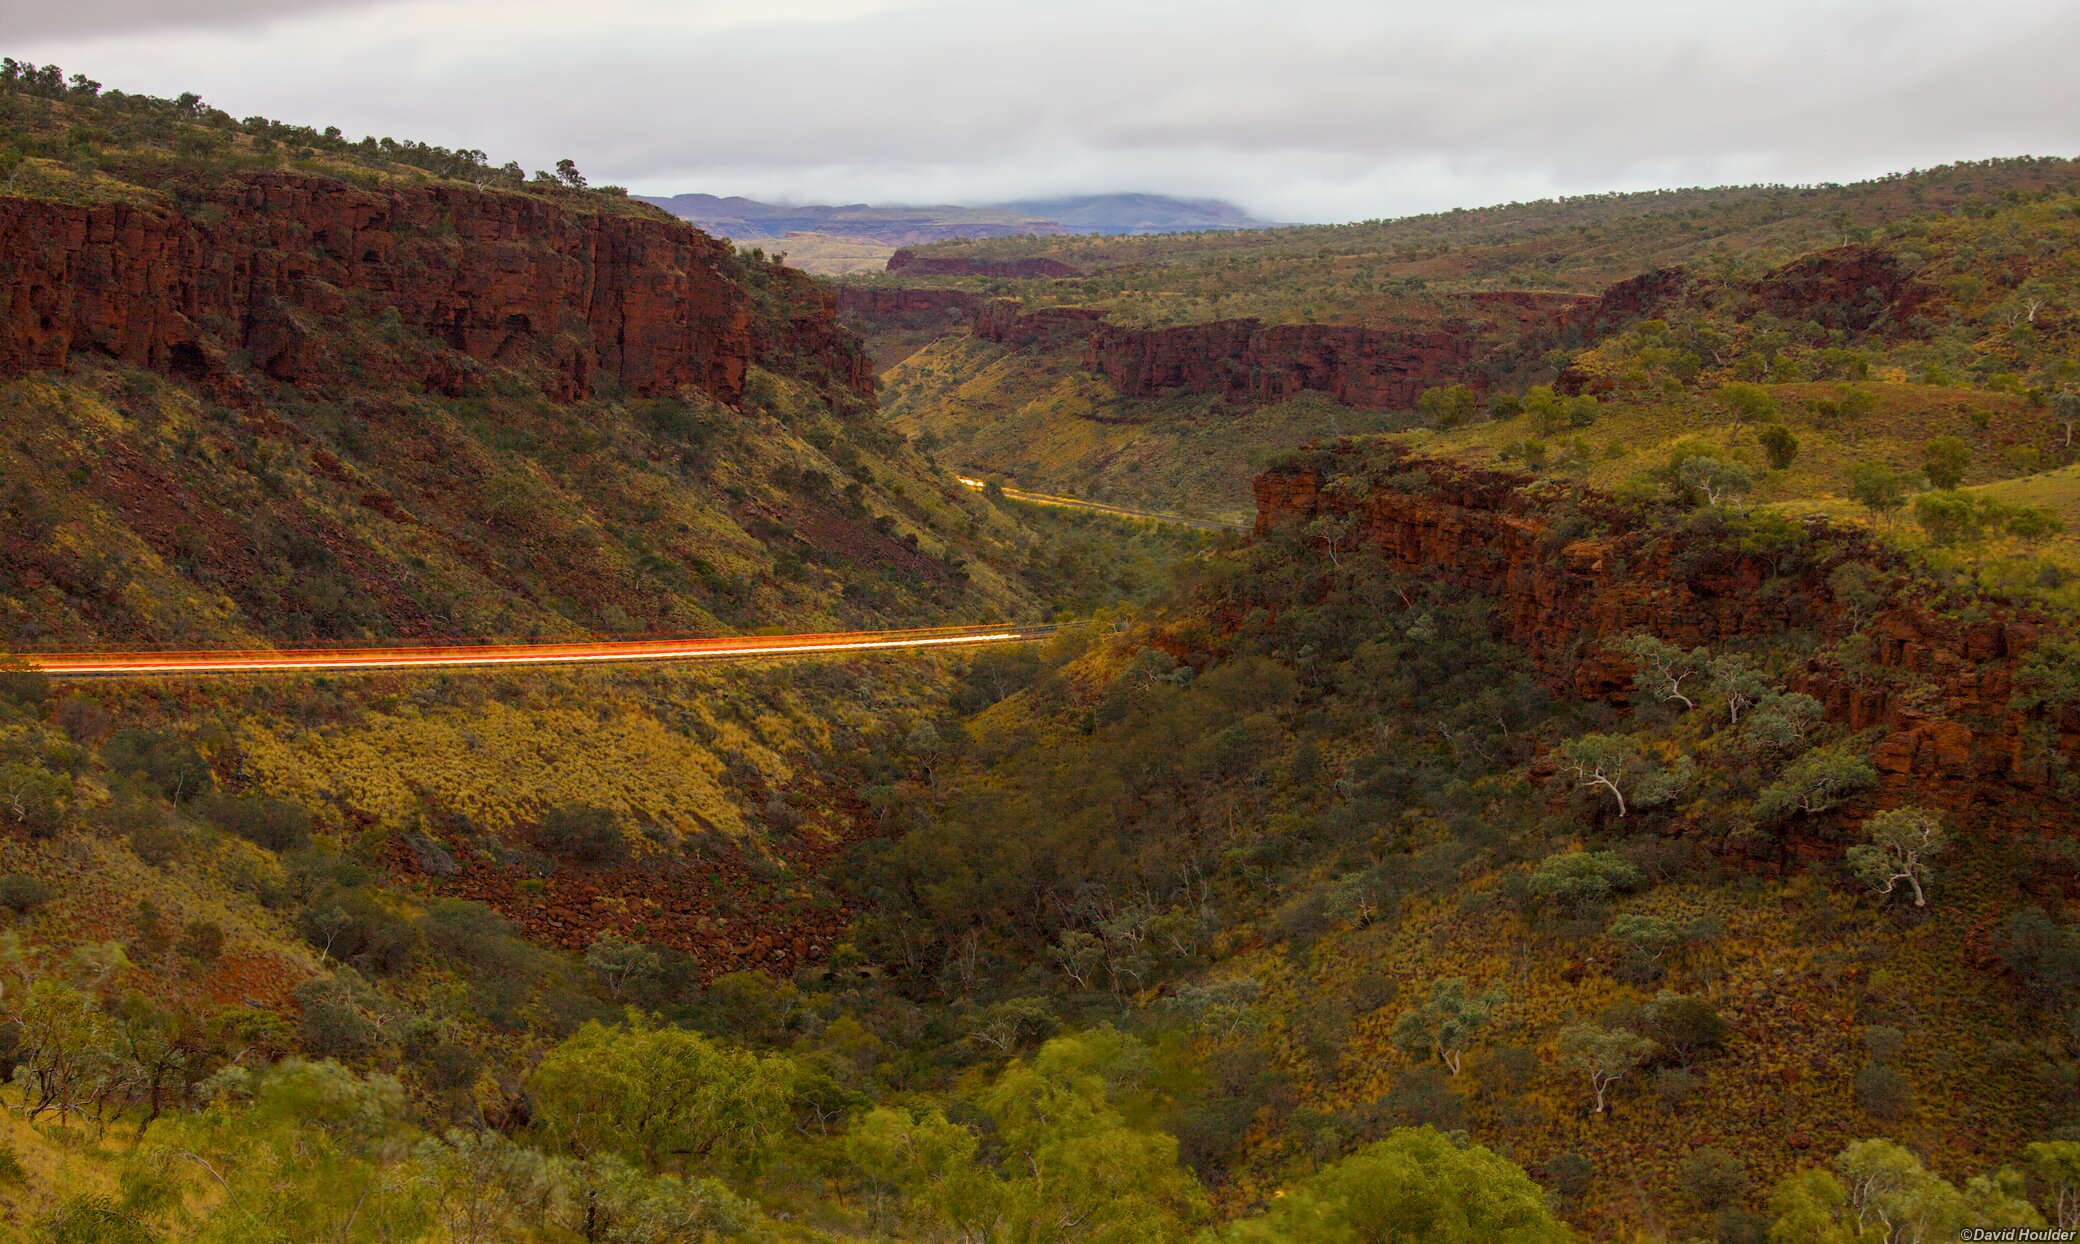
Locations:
(1938, 689)
(1007, 320)
(895, 302)
(262, 263)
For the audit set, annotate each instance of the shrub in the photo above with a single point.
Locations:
(337, 1017)
(1568, 1174)
(163, 762)
(1674, 1086)
(276, 824)
(1576, 879)
(1689, 1028)
(1447, 406)
(1424, 1096)
(1882, 1092)
(2022, 459)
(582, 834)
(472, 935)
(33, 800)
(22, 894)
(202, 941)
(1508, 1069)
(21, 686)
(1779, 445)
(1944, 460)
(1416, 1184)
(1713, 1178)
(1949, 517)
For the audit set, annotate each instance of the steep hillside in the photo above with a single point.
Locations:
(1360, 845)
(261, 386)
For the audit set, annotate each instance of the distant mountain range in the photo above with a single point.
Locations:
(748, 220)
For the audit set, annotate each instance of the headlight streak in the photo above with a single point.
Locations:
(129, 664)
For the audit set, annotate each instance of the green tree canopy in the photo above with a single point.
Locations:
(1414, 1185)
(657, 1097)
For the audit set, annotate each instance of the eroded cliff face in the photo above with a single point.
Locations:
(271, 265)
(1241, 360)
(1940, 691)
(876, 303)
(1006, 320)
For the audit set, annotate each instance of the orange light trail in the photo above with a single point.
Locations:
(1099, 507)
(467, 656)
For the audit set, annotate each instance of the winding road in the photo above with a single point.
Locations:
(1100, 507)
(485, 656)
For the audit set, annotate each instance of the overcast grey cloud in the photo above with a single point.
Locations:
(1300, 110)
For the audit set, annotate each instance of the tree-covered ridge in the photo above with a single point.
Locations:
(66, 137)
(1361, 272)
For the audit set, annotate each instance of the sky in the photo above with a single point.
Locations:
(1298, 110)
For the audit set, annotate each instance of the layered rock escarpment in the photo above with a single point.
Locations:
(1856, 288)
(266, 263)
(1939, 689)
(911, 263)
(1006, 320)
(1242, 360)
(896, 302)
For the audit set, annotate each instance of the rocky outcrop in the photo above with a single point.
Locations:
(1938, 688)
(795, 331)
(1645, 296)
(885, 303)
(1250, 361)
(1006, 320)
(263, 264)
(910, 263)
(1855, 288)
